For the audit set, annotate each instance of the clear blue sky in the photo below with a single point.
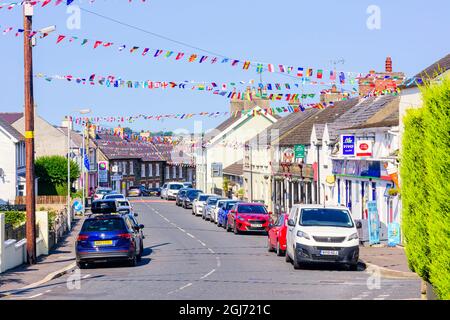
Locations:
(298, 33)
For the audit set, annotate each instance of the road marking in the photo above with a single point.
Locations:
(208, 274)
(185, 286)
(211, 250)
(190, 235)
(202, 243)
(86, 276)
(181, 229)
(218, 262)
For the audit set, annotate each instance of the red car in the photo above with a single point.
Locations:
(248, 217)
(276, 237)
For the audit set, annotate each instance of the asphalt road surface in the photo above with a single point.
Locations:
(189, 258)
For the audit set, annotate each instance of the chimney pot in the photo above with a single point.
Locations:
(388, 64)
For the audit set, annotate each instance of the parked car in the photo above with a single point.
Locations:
(163, 191)
(223, 213)
(100, 192)
(170, 193)
(245, 217)
(211, 204)
(114, 196)
(104, 206)
(322, 234)
(154, 191)
(199, 203)
(138, 191)
(107, 238)
(190, 197)
(276, 237)
(188, 185)
(180, 196)
(215, 210)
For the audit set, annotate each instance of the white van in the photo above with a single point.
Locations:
(171, 191)
(322, 234)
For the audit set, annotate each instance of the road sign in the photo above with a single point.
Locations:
(77, 205)
(299, 151)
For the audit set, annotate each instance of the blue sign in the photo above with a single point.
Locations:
(393, 234)
(77, 205)
(374, 222)
(348, 145)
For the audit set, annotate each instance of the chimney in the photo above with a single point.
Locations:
(388, 67)
(238, 105)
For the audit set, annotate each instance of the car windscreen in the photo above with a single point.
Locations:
(175, 186)
(192, 194)
(103, 225)
(203, 198)
(252, 209)
(212, 201)
(103, 207)
(325, 217)
(114, 196)
(103, 191)
(228, 205)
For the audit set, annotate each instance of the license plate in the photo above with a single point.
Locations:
(258, 225)
(103, 243)
(329, 252)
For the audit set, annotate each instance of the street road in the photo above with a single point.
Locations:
(189, 258)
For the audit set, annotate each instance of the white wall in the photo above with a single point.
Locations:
(8, 183)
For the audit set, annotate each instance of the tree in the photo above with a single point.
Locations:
(52, 174)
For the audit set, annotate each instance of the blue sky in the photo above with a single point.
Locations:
(298, 33)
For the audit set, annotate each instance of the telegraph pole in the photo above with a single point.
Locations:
(29, 134)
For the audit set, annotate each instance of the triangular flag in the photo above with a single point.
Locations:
(60, 38)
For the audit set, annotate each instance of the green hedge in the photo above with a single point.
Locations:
(14, 218)
(425, 172)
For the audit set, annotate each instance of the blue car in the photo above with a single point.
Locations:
(222, 216)
(108, 237)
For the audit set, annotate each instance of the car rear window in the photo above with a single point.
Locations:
(212, 200)
(229, 205)
(192, 194)
(176, 186)
(103, 191)
(103, 207)
(203, 198)
(103, 225)
(252, 209)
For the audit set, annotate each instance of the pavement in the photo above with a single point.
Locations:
(391, 261)
(188, 258)
(60, 260)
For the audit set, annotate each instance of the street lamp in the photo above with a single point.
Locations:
(29, 130)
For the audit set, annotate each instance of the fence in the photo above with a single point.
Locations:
(20, 200)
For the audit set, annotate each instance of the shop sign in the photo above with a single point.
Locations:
(348, 145)
(364, 148)
(102, 171)
(393, 234)
(288, 155)
(374, 222)
(299, 151)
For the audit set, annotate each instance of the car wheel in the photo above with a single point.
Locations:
(353, 267)
(297, 265)
(82, 265)
(269, 246)
(141, 251)
(287, 258)
(228, 227)
(133, 261)
(219, 224)
(279, 251)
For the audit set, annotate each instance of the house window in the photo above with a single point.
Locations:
(174, 172)
(143, 170)
(181, 172)
(131, 168)
(157, 169)
(150, 170)
(124, 168)
(167, 173)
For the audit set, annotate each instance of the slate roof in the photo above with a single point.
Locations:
(360, 113)
(11, 117)
(301, 134)
(13, 132)
(432, 71)
(235, 169)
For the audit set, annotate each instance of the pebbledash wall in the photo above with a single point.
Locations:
(13, 253)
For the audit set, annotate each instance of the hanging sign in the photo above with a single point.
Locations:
(364, 148)
(299, 151)
(102, 171)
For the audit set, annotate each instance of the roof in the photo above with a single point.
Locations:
(11, 117)
(363, 111)
(76, 137)
(301, 134)
(10, 130)
(431, 72)
(235, 169)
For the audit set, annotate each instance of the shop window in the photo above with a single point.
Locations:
(143, 170)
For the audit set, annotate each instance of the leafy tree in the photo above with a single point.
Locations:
(52, 173)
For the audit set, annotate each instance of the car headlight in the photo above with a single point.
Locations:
(353, 236)
(302, 234)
